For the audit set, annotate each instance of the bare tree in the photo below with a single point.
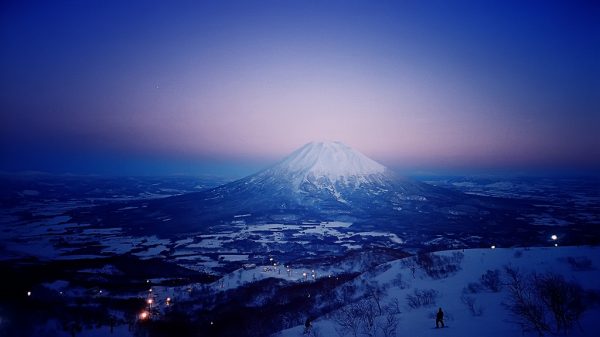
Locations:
(369, 316)
(471, 303)
(421, 298)
(491, 280)
(347, 319)
(361, 319)
(544, 303)
(394, 306)
(389, 325)
(564, 299)
(375, 292)
(523, 304)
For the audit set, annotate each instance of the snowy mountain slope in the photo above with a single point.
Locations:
(495, 320)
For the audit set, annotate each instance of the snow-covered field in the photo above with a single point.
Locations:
(495, 319)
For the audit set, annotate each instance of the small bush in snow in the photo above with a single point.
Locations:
(471, 303)
(473, 288)
(411, 264)
(398, 282)
(420, 298)
(518, 253)
(581, 263)
(439, 266)
(491, 280)
(457, 257)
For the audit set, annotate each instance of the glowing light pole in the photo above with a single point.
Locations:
(554, 237)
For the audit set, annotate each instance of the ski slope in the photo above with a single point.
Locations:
(495, 319)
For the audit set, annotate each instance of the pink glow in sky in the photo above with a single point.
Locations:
(409, 85)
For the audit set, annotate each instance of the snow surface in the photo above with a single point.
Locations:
(495, 320)
(332, 160)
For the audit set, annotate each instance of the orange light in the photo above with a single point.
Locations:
(144, 315)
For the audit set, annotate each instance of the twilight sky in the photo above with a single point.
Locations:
(144, 87)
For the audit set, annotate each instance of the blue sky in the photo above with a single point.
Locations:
(232, 86)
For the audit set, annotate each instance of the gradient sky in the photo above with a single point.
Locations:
(207, 87)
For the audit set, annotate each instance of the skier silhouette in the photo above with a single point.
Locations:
(307, 326)
(439, 318)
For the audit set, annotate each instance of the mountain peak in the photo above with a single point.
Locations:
(333, 160)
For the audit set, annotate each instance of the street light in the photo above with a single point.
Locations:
(554, 237)
(144, 315)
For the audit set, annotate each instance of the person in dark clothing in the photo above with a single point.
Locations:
(307, 326)
(439, 318)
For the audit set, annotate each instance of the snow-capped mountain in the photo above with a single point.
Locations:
(327, 176)
(330, 161)
(321, 181)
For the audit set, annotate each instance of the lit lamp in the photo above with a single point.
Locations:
(554, 238)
